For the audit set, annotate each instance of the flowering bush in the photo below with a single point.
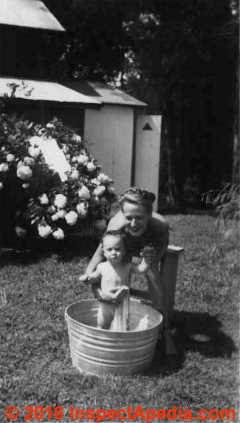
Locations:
(39, 201)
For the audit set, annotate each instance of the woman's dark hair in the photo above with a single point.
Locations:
(138, 196)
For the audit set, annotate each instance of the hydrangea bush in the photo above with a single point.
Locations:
(38, 202)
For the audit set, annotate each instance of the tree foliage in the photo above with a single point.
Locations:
(179, 56)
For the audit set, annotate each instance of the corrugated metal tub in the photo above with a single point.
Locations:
(98, 351)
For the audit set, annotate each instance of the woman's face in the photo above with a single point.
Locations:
(137, 217)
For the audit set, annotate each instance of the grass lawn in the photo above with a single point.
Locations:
(35, 366)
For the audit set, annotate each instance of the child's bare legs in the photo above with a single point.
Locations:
(105, 315)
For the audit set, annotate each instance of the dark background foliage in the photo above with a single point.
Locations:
(181, 57)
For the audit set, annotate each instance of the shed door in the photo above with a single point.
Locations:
(147, 153)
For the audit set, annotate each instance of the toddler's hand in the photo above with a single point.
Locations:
(115, 295)
(120, 293)
(83, 278)
(107, 297)
(148, 256)
(143, 266)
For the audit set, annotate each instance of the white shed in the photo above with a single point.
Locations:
(122, 137)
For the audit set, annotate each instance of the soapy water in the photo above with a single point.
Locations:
(125, 321)
(143, 323)
(133, 324)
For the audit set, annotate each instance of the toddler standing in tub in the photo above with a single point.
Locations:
(114, 275)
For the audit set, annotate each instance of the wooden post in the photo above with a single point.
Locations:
(169, 275)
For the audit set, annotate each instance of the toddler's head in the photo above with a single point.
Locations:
(113, 246)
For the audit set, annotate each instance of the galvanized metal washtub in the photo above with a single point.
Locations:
(99, 351)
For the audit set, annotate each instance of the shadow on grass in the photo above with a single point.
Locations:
(32, 251)
(188, 324)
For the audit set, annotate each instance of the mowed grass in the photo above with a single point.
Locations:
(35, 365)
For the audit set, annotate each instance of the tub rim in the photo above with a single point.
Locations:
(105, 331)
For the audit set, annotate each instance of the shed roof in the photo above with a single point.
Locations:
(104, 93)
(28, 89)
(28, 13)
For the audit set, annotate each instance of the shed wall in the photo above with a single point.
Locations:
(109, 132)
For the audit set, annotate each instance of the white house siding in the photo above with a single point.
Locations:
(109, 132)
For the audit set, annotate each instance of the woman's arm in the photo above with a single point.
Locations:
(160, 227)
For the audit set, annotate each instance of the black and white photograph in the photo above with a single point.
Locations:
(119, 211)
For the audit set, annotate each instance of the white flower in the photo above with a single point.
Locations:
(54, 217)
(84, 193)
(76, 138)
(43, 199)
(82, 208)
(58, 234)
(50, 125)
(29, 161)
(100, 224)
(74, 174)
(60, 201)
(103, 179)
(34, 151)
(44, 230)
(20, 232)
(10, 158)
(95, 181)
(1, 186)
(25, 186)
(82, 159)
(24, 172)
(98, 191)
(4, 167)
(74, 159)
(91, 167)
(35, 140)
(71, 218)
(61, 213)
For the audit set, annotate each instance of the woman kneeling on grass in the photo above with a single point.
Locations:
(142, 228)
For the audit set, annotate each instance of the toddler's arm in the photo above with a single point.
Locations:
(91, 278)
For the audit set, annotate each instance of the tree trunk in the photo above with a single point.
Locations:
(236, 138)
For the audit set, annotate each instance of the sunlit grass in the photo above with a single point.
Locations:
(35, 366)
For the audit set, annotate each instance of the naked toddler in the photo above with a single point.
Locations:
(114, 275)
